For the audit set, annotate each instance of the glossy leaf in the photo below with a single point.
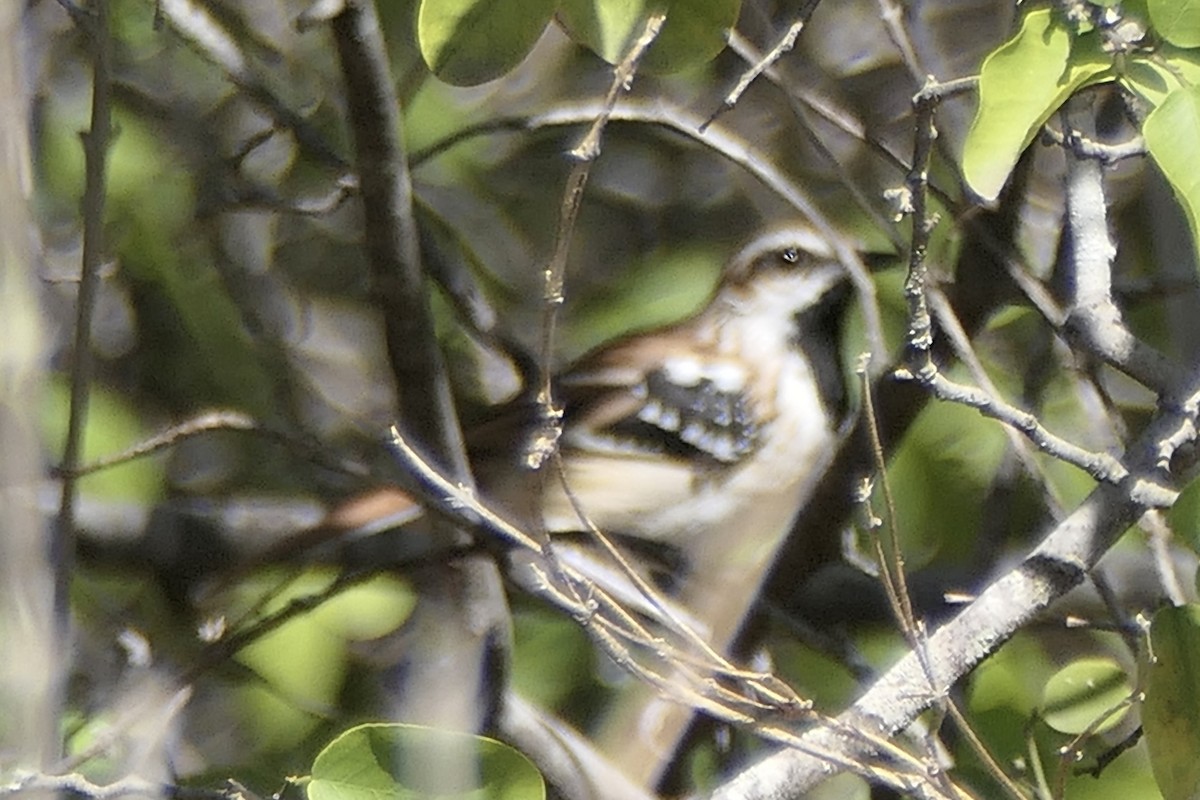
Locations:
(1177, 21)
(403, 762)
(466, 42)
(1184, 515)
(1154, 77)
(693, 33)
(1171, 137)
(1171, 711)
(1083, 695)
(1020, 86)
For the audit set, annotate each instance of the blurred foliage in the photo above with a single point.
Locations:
(237, 294)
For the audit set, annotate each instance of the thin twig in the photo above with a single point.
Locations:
(544, 443)
(892, 15)
(890, 557)
(982, 752)
(949, 324)
(218, 420)
(1084, 147)
(888, 553)
(96, 143)
(784, 46)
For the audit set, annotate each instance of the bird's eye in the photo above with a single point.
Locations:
(790, 255)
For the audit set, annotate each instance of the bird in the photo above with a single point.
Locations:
(680, 436)
(701, 439)
(705, 437)
(676, 434)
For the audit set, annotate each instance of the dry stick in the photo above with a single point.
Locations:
(888, 553)
(220, 420)
(759, 65)
(545, 442)
(544, 445)
(96, 143)
(460, 503)
(892, 570)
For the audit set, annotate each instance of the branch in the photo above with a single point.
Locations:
(218, 420)
(79, 785)
(919, 363)
(96, 143)
(762, 64)
(544, 442)
(1093, 320)
(756, 700)
(1084, 147)
(1058, 564)
(462, 619)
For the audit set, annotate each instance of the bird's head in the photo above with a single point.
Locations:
(782, 274)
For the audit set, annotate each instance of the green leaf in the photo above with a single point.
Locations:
(1154, 77)
(1171, 133)
(1184, 515)
(1020, 86)
(406, 762)
(1083, 695)
(1177, 21)
(1171, 711)
(693, 33)
(466, 42)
